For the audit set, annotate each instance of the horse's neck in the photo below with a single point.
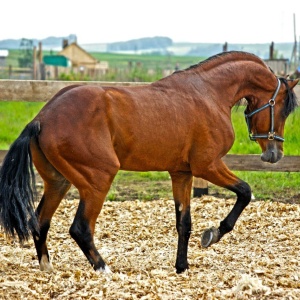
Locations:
(226, 82)
(236, 81)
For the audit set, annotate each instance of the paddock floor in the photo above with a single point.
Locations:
(138, 240)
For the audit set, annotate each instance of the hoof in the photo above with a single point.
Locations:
(45, 264)
(105, 270)
(209, 237)
(181, 270)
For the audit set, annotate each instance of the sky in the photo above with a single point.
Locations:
(195, 21)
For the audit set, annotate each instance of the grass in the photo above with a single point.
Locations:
(140, 185)
(283, 186)
(149, 61)
(265, 185)
(13, 118)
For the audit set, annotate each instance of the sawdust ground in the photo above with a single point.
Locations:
(259, 259)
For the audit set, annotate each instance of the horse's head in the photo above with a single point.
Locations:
(266, 119)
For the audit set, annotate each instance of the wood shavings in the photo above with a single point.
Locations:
(259, 259)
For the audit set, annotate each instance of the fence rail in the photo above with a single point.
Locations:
(43, 90)
(16, 73)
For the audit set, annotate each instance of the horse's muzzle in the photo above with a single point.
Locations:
(272, 155)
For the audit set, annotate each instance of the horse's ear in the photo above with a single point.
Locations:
(293, 83)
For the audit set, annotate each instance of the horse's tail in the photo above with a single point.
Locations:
(17, 186)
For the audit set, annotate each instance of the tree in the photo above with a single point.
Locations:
(26, 59)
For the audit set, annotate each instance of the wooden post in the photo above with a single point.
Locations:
(271, 55)
(56, 72)
(200, 187)
(9, 71)
(40, 53)
(42, 71)
(34, 64)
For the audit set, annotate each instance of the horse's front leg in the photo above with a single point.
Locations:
(220, 175)
(182, 185)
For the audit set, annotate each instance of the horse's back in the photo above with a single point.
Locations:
(138, 124)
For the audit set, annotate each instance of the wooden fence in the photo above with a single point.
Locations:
(42, 91)
(16, 73)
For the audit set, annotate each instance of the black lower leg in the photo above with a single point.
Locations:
(40, 237)
(81, 233)
(243, 192)
(40, 240)
(183, 226)
(213, 235)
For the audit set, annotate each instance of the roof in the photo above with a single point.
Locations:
(77, 55)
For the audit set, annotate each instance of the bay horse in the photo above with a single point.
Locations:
(180, 124)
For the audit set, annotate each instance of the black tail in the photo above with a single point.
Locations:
(17, 187)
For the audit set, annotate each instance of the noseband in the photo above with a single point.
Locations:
(271, 135)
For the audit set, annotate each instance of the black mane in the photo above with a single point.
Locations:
(290, 102)
(216, 56)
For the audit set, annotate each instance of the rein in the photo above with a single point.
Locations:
(271, 135)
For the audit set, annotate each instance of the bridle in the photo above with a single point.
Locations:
(271, 135)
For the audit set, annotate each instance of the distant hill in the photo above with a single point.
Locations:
(281, 50)
(49, 43)
(155, 43)
(158, 45)
(165, 46)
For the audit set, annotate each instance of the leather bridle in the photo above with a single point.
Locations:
(271, 135)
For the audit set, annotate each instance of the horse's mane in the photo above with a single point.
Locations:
(290, 102)
(236, 55)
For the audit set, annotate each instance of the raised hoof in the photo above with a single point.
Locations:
(209, 237)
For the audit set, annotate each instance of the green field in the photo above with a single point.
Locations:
(149, 61)
(122, 60)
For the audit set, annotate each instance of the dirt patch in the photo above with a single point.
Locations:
(138, 240)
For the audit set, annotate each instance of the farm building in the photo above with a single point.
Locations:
(73, 58)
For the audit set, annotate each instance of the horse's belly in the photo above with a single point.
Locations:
(152, 161)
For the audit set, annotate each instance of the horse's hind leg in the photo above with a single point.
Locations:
(182, 185)
(90, 164)
(93, 190)
(55, 188)
(54, 191)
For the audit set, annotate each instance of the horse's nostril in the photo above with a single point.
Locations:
(273, 157)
